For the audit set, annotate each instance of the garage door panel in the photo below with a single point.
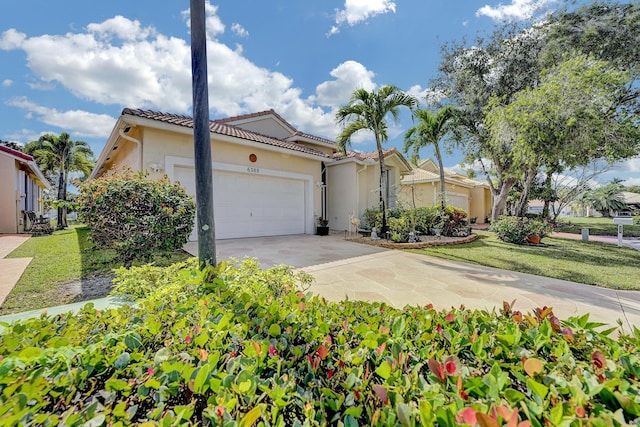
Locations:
(252, 205)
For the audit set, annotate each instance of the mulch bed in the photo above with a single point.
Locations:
(426, 241)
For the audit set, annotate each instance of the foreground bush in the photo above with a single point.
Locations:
(237, 346)
(136, 216)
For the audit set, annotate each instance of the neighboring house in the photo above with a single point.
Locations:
(353, 184)
(421, 188)
(632, 200)
(268, 176)
(21, 190)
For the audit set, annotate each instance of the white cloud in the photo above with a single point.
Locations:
(516, 11)
(24, 136)
(349, 75)
(632, 181)
(239, 30)
(146, 69)
(428, 96)
(81, 123)
(7, 83)
(357, 11)
(122, 28)
(12, 39)
(630, 165)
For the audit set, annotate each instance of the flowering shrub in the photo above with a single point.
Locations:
(227, 346)
(136, 216)
(513, 229)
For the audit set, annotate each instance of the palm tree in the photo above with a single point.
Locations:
(432, 127)
(608, 198)
(58, 156)
(368, 111)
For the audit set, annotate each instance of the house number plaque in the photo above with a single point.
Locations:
(253, 170)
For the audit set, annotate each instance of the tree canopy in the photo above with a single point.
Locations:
(553, 95)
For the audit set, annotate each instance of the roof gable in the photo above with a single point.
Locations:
(223, 127)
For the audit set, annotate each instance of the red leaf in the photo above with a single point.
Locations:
(330, 374)
(449, 317)
(323, 352)
(187, 339)
(598, 359)
(429, 306)
(450, 367)
(467, 416)
(580, 412)
(272, 350)
(485, 420)
(436, 368)
(380, 349)
(381, 393)
(567, 333)
(555, 323)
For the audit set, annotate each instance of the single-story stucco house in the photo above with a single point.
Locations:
(21, 190)
(269, 178)
(421, 187)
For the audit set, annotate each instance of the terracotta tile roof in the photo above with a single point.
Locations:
(373, 155)
(219, 127)
(254, 115)
(15, 153)
(420, 175)
(313, 137)
(424, 175)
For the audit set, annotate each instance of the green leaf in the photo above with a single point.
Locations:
(274, 330)
(122, 361)
(514, 396)
(133, 341)
(200, 384)
(426, 413)
(404, 414)
(114, 384)
(251, 417)
(384, 370)
(539, 389)
(30, 353)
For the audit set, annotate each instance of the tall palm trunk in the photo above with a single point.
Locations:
(382, 186)
(443, 202)
(61, 195)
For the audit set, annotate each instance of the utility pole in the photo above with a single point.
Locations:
(202, 136)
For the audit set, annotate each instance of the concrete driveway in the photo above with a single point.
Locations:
(356, 271)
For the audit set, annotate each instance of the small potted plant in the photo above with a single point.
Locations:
(322, 229)
(536, 230)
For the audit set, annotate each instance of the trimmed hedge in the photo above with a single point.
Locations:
(236, 346)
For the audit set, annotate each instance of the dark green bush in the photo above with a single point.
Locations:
(512, 229)
(136, 216)
(228, 346)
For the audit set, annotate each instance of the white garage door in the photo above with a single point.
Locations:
(248, 205)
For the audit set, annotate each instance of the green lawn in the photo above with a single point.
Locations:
(592, 263)
(598, 227)
(65, 256)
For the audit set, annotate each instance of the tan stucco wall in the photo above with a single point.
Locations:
(342, 194)
(478, 203)
(423, 194)
(8, 214)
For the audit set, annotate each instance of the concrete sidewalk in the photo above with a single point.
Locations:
(11, 269)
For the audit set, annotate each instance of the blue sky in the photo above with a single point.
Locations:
(73, 66)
